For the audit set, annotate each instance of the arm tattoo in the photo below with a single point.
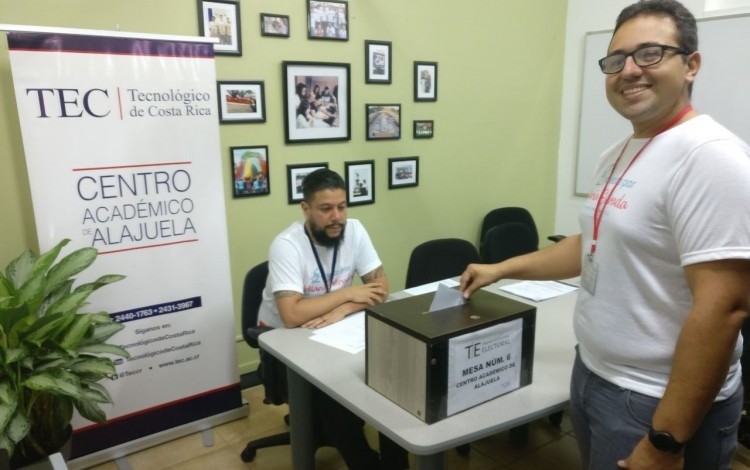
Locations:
(374, 274)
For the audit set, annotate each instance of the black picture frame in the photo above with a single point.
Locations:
(329, 119)
(250, 171)
(383, 121)
(360, 182)
(328, 20)
(378, 62)
(403, 172)
(241, 101)
(274, 25)
(424, 129)
(294, 176)
(221, 19)
(425, 81)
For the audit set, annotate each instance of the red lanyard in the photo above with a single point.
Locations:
(599, 209)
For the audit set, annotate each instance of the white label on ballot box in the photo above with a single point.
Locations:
(483, 365)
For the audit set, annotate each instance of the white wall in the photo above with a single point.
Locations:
(587, 16)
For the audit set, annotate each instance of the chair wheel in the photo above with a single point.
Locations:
(463, 450)
(556, 418)
(248, 454)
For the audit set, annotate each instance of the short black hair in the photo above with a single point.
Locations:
(687, 30)
(321, 179)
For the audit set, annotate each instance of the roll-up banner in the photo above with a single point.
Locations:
(122, 146)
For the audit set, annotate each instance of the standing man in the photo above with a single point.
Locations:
(664, 259)
(311, 268)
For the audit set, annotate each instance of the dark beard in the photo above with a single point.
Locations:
(321, 237)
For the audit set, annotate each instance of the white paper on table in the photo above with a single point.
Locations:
(446, 297)
(431, 287)
(347, 334)
(538, 290)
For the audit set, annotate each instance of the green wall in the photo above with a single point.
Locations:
(497, 117)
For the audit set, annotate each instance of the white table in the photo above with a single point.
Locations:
(342, 376)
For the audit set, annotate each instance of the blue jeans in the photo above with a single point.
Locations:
(609, 421)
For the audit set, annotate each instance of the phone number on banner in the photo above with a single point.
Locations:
(156, 310)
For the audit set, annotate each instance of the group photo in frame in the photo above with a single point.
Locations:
(328, 20)
(360, 182)
(250, 171)
(274, 25)
(424, 129)
(220, 19)
(383, 121)
(425, 81)
(295, 174)
(378, 62)
(241, 101)
(403, 172)
(316, 101)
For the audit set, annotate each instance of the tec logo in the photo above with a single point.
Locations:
(70, 102)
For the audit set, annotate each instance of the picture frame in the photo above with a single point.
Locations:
(383, 121)
(274, 25)
(250, 175)
(221, 19)
(378, 62)
(328, 20)
(294, 176)
(360, 182)
(424, 129)
(403, 172)
(241, 101)
(425, 81)
(317, 97)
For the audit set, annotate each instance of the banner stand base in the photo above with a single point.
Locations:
(137, 445)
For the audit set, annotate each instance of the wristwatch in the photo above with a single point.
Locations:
(664, 441)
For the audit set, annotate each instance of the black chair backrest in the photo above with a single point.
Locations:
(504, 215)
(252, 296)
(506, 241)
(439, 259)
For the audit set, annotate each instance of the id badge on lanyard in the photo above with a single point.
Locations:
(589, 273)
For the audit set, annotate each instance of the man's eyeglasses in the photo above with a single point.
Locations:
(643, 57)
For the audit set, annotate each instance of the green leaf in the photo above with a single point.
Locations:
(18, 427)
(93, 365)
(45, 260)
(6, 444)
(93, 395)
(104, 349)
(91, 411)
(55, 296)
(50, 365)
(75, 332)
(11, 316)
(69, 303)
(45, 382)
(100, 388)
(102, 332)
(101, 282)
(6, 288)
(6, 414)
(16, 354)
(20, 268)
(69, 266)
(6, 392)
(47, 327)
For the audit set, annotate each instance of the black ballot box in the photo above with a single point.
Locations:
(436, 364)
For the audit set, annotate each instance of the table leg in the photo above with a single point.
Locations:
(301, 425)
(431, 462)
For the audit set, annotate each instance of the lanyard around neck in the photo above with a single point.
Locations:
(320, 265)
(600, 207)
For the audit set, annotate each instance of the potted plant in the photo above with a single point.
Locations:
(49, 352)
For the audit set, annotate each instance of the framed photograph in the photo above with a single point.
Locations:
(250, 171)
(274, 25)
(360, 182)
(316, 101)
(425, 81)
(377, 62)
(295, 174)
(241, 101)
(383, 121)
(424, 129)
(403, 172)
(328, 20)
(221, 19)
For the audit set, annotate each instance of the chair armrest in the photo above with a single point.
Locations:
(252, 334)
(555, 238)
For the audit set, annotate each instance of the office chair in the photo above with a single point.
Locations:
(439, 259)
(272, 372)
(504, 215)
(507, 240)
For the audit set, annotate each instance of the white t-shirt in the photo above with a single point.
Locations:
(683, 201)
(292, 266)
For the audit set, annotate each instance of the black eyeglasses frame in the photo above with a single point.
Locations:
(632, 54)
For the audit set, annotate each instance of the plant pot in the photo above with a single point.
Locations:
(41, 462)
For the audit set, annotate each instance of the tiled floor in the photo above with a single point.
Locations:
(548, 448)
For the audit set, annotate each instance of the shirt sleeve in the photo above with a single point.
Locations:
(367, 256)
(285, 267)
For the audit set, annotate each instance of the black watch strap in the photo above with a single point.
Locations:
(665, 442)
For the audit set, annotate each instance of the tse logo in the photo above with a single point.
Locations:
(70, 102)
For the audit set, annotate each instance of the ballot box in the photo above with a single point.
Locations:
(436, 364)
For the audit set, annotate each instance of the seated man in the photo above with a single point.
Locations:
(311, 268)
